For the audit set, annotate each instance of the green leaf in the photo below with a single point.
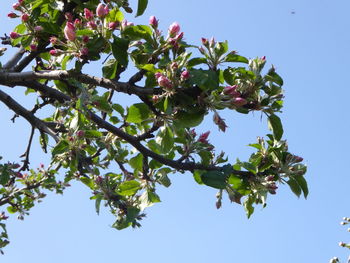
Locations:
(109, 69)
(92, 134)
(4, 176)
(165, 139)
(101, 103)
(137, 113)
(141, 7)
(128, 188)
(147, 199)
(274, 77)
(137, 162)
(214, 179)
(98, 203)
(248, 205)
(303, 184)
(294, 186)
(275, 125)
(186, 120)
(235, 58)
(61, 147)
(88, 182)
(138, 32)
(162, 176)
(205, 79)
(196, 61)
(120, 48)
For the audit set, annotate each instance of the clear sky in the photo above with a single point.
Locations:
(308, 42)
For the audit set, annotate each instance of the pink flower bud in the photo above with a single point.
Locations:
(68, 16)
(69, 31)
(212, 42)
(85, 39)
(231, 90)
(33, 47)
(80, 133)
(179, 37)
(53, 40)
(220, 122)
(77, 22)
(102, 10)
(174, 66)
(205, 41)
(193, 133)
(88, 14)
(298, 159)
(25, 17)
(99, 179)
(16, 6)
(54, 52)
(164, 82)
(185, 75)
(174, 29)
(14, 35)
(239, 101)
(203, 138)
(201, 49)
(158, 74)
(112, 25)
(155, 98)
(12, 15)
(92, 24)
(38, 28)
(84, 51)
(263, 58)
(153, 22)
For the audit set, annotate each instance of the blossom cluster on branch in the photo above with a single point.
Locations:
(148, 140)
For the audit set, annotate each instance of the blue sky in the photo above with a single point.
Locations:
(310, 50)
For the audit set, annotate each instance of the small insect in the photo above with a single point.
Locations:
(292, 12)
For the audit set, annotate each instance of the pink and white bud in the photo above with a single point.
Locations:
(212, 42)
(69, 31)
(263, 58)
(153, 22)
(12, 15)
(88, 14)
(92, 24)
(77, 23)
(174, 66)
(155, 98)
(185, 75)
(113, 25)
(16, 6)
(174, 29)
(231, 90)
(55, 52)
(68, 16)
(25, 17)
(80, 133)
(102, 10)
(164, 82)
(33, 47)
(14, 35)
(239, 101)
(179, 37)
(158, 75)
(38, 28)
(84, 51)
(203, 138)
(53, 40)
(85, 39)
(205, 41)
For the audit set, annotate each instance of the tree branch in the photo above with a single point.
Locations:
(8, 78)
(20, 110)
(14, 60)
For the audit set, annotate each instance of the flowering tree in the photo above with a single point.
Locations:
(123, 153)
